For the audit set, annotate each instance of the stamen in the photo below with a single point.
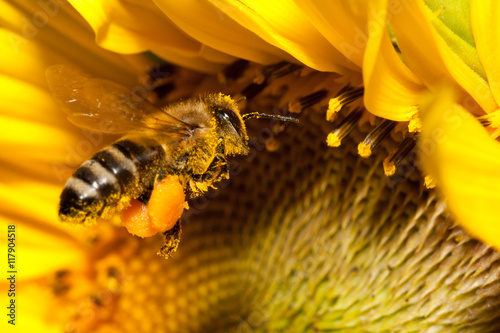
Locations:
(160, 78)
(268, 74)
(492, 119)
(272, 144)
(307, 101)
(333, 109)
(345, 96)
(161, 72)
(290, 68)
(279, 70)
(233, 71)
(392, 161)
(254, 89)
(240, 99)
(163, 90)
(415, 124)
(429, 182)
(366, 147)
(335, 138)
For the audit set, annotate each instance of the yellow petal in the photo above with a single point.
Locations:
(42, 141)
(18, 53)
(36, 135)
(38, 107)
(485, 15)
(216, 56)
(391, 89)
(342, 23)
(282, 24)
(430, 57)
(464, 161)
(31, 205)
(127, 27)
(27, 48)
(35, 303)
(208, 24)
(197, 62)
(43, 249)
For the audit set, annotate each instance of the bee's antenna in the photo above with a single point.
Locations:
(241, 99)
(271, 116)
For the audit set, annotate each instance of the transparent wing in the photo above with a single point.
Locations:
(105, 106)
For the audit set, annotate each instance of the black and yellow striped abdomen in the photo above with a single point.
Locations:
(108, 180)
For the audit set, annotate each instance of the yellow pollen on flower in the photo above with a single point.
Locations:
(412, 112)
(333, 108)
(389, 168)
(415, 125)
(334, 138)
(429, 182)
(394, 160)
(492, 119)
(345, 96)
(366, 147)
(364, 150)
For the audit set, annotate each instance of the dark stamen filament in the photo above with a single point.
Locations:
(235, 70)
(366, 147)
(345, 96)
(392, 162)
(279, 70)
(345, 127)
(307, 101)
(268, 74)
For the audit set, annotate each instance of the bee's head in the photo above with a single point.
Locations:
(231, 125)
(231, 128)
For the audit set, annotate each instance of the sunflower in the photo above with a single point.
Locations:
(324, 226)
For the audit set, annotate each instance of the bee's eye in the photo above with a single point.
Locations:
(226, 115)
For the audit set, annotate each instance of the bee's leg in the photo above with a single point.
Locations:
(145, 196)
(216, 171)
(172, 240)
(146, 193)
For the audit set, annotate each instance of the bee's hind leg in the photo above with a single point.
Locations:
(172, 240)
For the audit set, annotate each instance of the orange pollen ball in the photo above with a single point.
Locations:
(164, 209)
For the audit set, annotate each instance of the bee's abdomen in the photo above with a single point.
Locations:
(114, 175)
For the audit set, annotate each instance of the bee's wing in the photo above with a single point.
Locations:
(105, 106)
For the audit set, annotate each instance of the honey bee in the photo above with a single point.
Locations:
(190, 139)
